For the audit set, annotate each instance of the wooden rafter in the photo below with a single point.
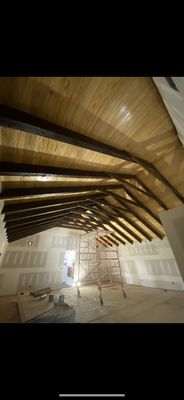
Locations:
(142, 220)
(112, 217)
(23, 121)
(34, 204)
(118, 211)
(45, 191)
(136, 203)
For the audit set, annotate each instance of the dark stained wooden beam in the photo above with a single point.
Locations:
(115, 219)
(39, 222)
(147, 192)
(101, 242)
(42, 212)
(32, 222)
(102, 222)
(27, 227)
(142, 220)
(40, 228)
(130, 222)
(19, 169)
(25, 122)
(137, 203)
(114, 242)
(45, 191)
(13, 237)
(115, 228)
(117, 238)
(35, 204)
(44, 217)
(108, 240)
(104, 239)
(14, 231)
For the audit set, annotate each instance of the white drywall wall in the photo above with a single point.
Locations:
(150, 264)
(38, 265)
(173, 222)
(174, 101)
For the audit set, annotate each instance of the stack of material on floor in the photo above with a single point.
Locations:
(40, 292)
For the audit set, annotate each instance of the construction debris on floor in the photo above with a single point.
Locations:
(142, 305)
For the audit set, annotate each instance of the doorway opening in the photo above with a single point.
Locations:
(69, 267)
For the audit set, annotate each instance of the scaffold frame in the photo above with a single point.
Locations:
(98, 258)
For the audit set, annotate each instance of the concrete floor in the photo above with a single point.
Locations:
(142, 305)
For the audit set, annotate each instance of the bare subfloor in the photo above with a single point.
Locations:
(141, 305)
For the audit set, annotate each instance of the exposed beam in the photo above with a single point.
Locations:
(148, 192)
(45, 191)
(25, 122)
(117, 238)
(115, 241)
(22, 121)
(44, 217)
(20, 169)
(100, 241)
(130, 222)
(102, 222)
(120, 232)
(136, 203)
(11, 233)
(113, 217)
(108, 240)
(34, 204)
(142, 220)
(12, 237)
(31, 226)
(41, 212)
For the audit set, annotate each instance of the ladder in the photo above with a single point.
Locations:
(99, 262)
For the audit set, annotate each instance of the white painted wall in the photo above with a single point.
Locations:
(174, 101)
(173, 222)
(150, 264)
(38, 265)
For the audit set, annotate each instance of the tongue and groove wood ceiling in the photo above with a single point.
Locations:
(87, 152)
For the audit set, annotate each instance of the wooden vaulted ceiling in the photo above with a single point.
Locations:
(87, 152)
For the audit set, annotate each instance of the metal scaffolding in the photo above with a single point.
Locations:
(99, 261)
